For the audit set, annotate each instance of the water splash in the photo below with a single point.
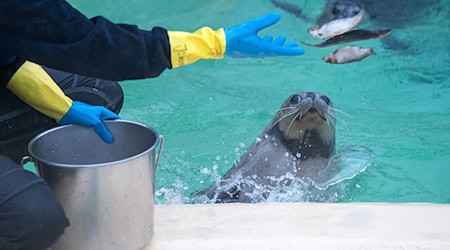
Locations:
(328, 186)
(172, 195)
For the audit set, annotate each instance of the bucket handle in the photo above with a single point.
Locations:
(159, 152)
(26, 159)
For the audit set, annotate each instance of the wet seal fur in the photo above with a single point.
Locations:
(298, 142)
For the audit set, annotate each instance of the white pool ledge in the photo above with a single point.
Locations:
(302, 226)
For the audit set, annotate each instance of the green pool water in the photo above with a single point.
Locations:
(211, 111)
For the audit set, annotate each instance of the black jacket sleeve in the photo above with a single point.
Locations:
(54, 34)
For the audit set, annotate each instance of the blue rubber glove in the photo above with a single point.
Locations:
(90, 116)
(242, 40)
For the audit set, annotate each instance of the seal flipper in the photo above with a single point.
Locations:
(349, 161)
(220, 193)
(231, 195)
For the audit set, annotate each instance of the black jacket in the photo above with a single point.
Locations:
(54, 34)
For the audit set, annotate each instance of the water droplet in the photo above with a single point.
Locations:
(205, 171)
(289, 175)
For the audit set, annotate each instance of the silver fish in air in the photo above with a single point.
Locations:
(348, 54)
(351, 36)
(336, 27)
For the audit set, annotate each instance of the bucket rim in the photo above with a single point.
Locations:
(62, 165)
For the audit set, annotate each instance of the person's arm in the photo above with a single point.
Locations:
(53, 33)
(238, 41)
(34, 86)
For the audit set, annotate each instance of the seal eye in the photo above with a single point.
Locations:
(295, 99)
(326, 99)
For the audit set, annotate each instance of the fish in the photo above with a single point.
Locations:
(351, 36)
(336, 27)
(348, 54)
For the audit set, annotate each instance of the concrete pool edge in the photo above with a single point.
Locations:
(302, 226)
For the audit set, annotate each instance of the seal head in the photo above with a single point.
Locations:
(306, 122)
(339, 9)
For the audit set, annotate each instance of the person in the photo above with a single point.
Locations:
(41, 42)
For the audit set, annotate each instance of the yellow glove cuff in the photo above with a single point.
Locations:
(205, 43)
(33, 85)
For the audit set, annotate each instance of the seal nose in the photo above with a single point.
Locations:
(311, 95)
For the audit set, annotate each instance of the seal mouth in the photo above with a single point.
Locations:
(312, 111)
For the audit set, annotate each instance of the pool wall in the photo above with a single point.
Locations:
(302, 226)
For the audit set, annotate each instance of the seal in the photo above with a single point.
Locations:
(298, 142)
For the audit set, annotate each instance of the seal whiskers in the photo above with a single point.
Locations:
(295, 117)
(338, 118)
(285, 116)
(342, 112)
(329, 121)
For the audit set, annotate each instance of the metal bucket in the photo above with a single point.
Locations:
(105, 189)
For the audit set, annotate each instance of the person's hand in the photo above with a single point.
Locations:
(90, 116)
(242, 40)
